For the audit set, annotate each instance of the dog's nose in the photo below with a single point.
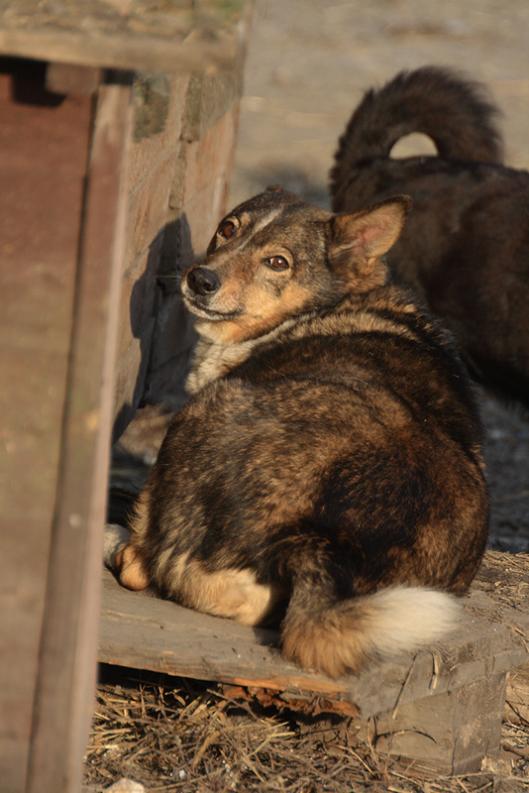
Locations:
(203, 281)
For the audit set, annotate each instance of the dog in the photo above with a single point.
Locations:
(326, 476)
(466, 244)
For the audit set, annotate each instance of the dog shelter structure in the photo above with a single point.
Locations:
(117, 127)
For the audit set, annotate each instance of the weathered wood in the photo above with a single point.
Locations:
(441, 708)
(517, 695)
(126, 34)
(449, 733)
(145, 632)
(40, 214)
(66, 674)
(64, 78)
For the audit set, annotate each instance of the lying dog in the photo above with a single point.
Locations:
(327, 473)
(466, 245)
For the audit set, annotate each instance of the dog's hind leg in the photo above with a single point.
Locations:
(227, 593)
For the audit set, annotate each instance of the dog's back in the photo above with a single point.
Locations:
(466, 244)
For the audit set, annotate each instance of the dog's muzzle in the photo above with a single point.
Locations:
(202, 281)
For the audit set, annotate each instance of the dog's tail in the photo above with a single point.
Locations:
(335, 637)
(453, 111)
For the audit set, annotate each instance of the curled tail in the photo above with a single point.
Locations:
(454, 112)
(340, 637)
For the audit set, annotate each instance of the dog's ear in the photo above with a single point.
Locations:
(369, 234)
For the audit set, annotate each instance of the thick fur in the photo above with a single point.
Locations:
(327, 475)
(454, 112)
(466, 244)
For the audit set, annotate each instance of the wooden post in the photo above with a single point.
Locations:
(66, 676)
(44, 144)
(61, 236)
(450, 733)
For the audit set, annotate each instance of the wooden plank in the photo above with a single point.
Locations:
(63, 78)
(43, 151)
(517, 696)
(148, 633)
(66, 676)
(449, 733)
(124, 34)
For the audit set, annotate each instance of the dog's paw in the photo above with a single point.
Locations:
(116, 537)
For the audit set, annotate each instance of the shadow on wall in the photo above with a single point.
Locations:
(159, 321)
(28, 82)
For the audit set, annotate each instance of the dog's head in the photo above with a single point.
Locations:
(274, 257)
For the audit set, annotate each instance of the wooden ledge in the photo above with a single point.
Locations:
(143, 632)
(137, 35)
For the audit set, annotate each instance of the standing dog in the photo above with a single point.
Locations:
(466, 245)
(327, 473)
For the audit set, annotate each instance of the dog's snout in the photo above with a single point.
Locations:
(203, 281)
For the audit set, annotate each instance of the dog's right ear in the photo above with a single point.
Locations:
(366, 236)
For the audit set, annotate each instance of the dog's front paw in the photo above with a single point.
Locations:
(116, 537)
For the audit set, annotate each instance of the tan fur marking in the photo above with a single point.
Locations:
(212, 361)
(178, 568)
(260, 225)
(160, 564)
(226, 593)
(140, 519)
(262, 313)
(132, 574)
(362, 321)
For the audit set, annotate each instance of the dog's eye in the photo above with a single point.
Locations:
(277, 263)
(227, 229)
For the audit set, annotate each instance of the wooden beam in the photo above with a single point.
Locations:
(65, 683)
(147, 633)
(170, 37)
(44, 143)
(65, 78)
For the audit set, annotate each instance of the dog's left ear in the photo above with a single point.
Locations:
(369, 234)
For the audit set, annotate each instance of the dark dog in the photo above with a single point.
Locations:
(466, 244)
(327, 473)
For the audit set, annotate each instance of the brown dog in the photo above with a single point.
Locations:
(327, 473)
(466, 244)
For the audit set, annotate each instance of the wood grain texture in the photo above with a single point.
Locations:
(66, 672)
(43, 154)
(127, 34)
(147, 633)
(63, 78)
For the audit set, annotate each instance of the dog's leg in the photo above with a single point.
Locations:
(120, 556)
(226, 593)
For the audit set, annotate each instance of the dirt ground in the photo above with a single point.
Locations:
(308, 63)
